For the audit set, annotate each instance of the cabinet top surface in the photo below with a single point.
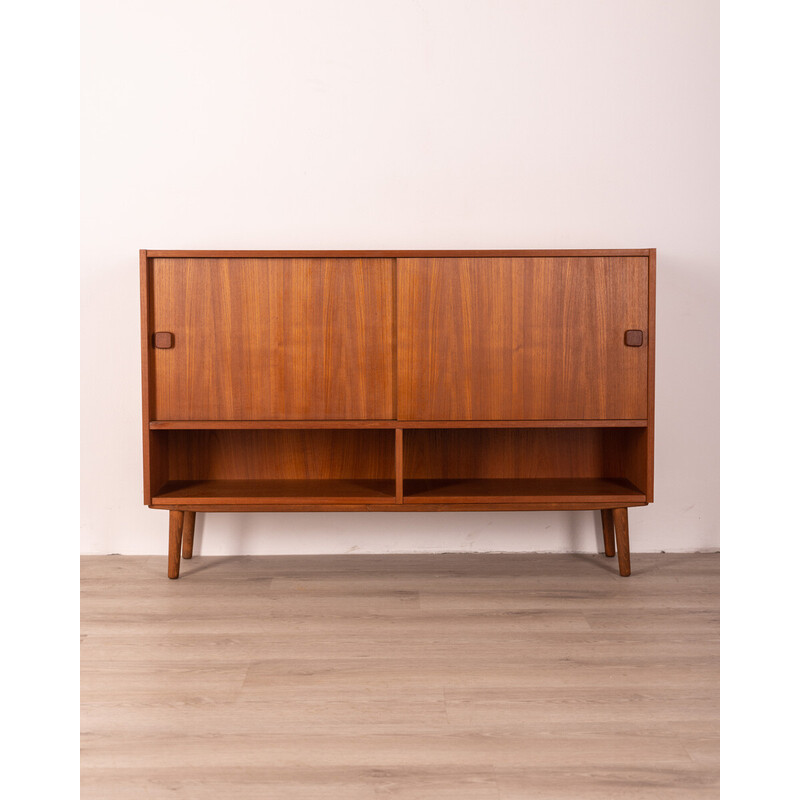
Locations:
(391, 253)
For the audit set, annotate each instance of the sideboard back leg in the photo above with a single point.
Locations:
(623, 547)
(175, 533)
(188, 533)
(608, 531)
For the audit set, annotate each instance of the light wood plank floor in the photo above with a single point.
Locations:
(420, 676)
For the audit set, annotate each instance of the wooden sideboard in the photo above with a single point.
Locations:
(398, 381)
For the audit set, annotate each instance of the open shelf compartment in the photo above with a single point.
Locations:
(533, 465)
(239, 467)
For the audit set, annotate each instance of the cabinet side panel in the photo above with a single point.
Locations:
(274, 339)
(144, 301)
(159, 462)
(651, 374)
(625, 455)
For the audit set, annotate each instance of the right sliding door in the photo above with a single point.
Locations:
(522, 338)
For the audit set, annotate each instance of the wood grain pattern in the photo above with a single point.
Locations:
(620, 516)
(504, 375)
(157, 463)
(280, 454)
(607, 520)
(398, 465)
(452, 490)
(453, 676)
(225, 492)
(163, 340)
(273, 338)
(624, 453)
(188, 533)
(471, 465)
(175, 533)
(223, 467)
(340, 504)
(522, 453)
(395, 253)
(521, 338)
(504, 453)
(147, 405)
(651, 373)
(634, 338)
(509, 490)
(162, 425)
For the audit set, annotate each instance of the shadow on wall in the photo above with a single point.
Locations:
(342, 532)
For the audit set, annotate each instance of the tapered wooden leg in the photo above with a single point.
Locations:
(188, 533)
(175, 532)
(623, 548)
(608, 530)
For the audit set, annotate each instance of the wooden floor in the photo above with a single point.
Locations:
(424, 676)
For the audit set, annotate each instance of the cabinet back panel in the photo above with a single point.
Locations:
(279, 454)
(521, 338)
(519, 453)
(289, 338)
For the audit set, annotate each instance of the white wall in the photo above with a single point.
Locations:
(417, 124)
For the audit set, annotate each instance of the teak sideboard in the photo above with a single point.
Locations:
(398, 381)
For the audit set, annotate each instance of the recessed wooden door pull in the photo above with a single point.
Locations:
(634, 338)
(163, 340)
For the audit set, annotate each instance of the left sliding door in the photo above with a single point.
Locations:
(272, 338)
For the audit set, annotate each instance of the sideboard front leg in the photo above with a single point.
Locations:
(608, 530)
(188, 533)
(623, 547)
(175, 533)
